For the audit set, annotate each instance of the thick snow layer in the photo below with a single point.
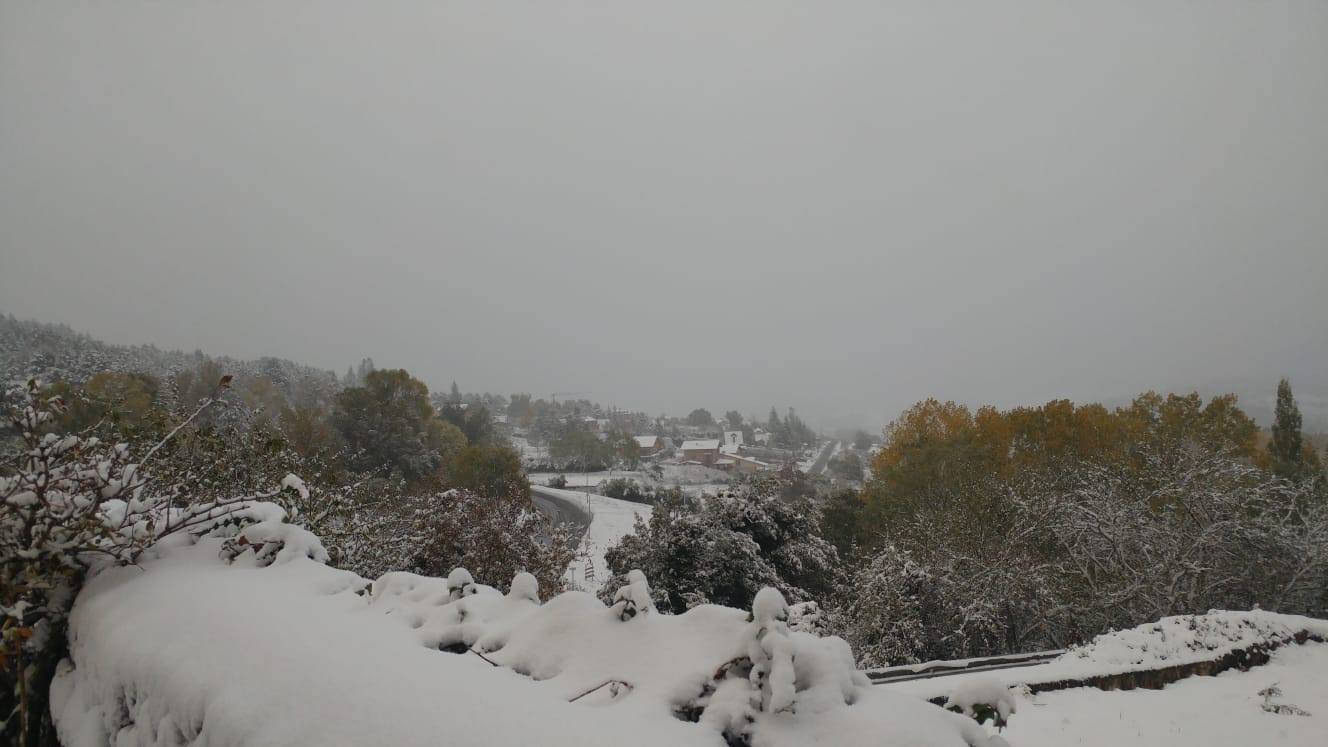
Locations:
(988, 691)
(1184, 639)
(610, 520)
(188, 650)
(1171, 641)
(1194, 712)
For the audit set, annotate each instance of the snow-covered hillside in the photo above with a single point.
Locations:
(188, 650)
(52, 352)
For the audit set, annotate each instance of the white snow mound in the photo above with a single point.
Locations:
(191, 650)
(1185, 639)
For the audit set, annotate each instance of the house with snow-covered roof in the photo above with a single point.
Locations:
(649, 445)
(705, 451)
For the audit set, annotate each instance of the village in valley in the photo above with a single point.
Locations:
(581, 444)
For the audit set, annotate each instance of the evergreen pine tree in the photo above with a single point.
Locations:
(366, 368)
(1286, 449)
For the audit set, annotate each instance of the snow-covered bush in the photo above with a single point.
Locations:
(808, 617)
(983, 699)
(1282, 709)
(899, 609)
(70, 505)
(1181, 532)
(494, 536)
(1058, 555)
(737, 543)
(633, 598)
(169, 654)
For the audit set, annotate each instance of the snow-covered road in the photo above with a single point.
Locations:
(610, 520)
(561, 507)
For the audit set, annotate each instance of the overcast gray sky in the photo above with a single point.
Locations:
(840, 206)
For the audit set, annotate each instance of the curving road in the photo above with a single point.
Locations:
(562, 506)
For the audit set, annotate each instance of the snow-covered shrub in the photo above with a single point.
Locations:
(263, 536)
(779, 672)
(737, 543)
(725, 669)
(983, 699)
(808, 617)
(187, 651)
(456, 613)
(900, 610)
(1282, 709)
(633, 598)
(70, 505)
(493, 536)
(771, 651)
(432, 533)
(1055, 556)
(460, 584)
(1179, 532)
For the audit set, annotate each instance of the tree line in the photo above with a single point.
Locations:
(94, 472)
(996, 531)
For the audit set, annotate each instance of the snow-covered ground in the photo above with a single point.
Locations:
(1171, 641)
(1224, 710)
(187, 650)
(671, 474)
(578, 479)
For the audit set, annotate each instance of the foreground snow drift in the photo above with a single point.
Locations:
(189, 651)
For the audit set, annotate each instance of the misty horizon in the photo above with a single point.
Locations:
(842, 210)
